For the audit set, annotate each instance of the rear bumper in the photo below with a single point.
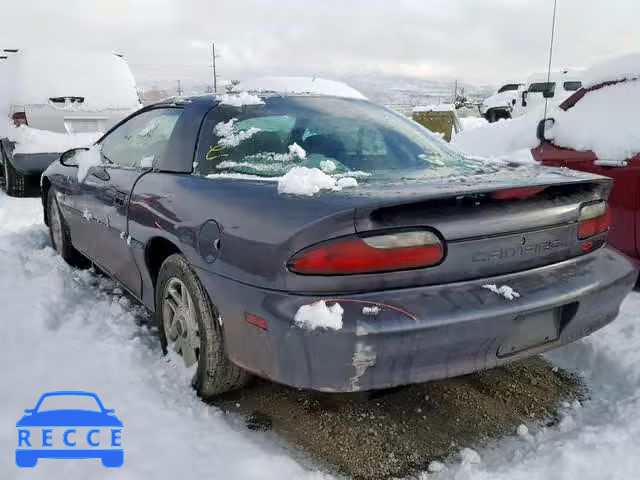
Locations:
(422, 333)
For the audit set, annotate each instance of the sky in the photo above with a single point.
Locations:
(484, 42)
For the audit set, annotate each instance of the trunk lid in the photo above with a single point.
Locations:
(484, 233)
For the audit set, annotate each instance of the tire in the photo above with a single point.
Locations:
(215, 373)
(14, 181)
(61, 239)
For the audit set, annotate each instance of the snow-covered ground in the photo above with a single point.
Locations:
(70, 329)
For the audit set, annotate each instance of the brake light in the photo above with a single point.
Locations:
(512, 193)
(379, 253)
(19, 118)
(594, 219)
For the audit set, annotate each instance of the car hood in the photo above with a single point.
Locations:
(69, 418)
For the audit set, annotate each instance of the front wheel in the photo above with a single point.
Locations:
(188, 324)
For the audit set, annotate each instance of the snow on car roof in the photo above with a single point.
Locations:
(310, 85)
(564, 75)
(620, 68)
(103, 79)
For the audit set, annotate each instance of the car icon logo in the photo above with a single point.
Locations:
(69, 425)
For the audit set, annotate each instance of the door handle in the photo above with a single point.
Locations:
(120, 198)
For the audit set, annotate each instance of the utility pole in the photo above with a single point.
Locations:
(179, 88)
(215, 76)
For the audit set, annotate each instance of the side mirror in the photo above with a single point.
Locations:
(542, 128)
(524, 98)
(67, 158)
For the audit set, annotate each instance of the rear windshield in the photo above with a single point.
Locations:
(543, 87)
(572, 86)
(338, 135)
(508, 87)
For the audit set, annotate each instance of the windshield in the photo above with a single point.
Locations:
(508, 87)
(69, 402)
(337, 135)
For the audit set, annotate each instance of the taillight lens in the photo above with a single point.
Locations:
(594, 219)
(379, 253)
(19, 118)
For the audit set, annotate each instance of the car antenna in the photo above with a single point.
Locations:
(553, 31)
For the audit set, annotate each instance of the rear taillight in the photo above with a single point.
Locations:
(594, 219)
(19, 118)
(379, 253)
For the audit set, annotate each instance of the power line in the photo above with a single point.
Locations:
(553, 31)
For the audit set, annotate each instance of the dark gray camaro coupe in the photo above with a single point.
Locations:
(329, 243)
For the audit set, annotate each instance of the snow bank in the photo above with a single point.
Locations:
(239, 99)
(319, 315)
(32, 76)
(308, 181)
(472, 122)
(310, 85)
(620, 68)
(70, 329)
(31, 140)
(605, 121)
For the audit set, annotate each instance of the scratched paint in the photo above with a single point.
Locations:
(364, 357)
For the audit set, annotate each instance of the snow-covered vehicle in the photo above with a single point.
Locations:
(540, 87)
(596, 130)
(500, 105)
(53, 100)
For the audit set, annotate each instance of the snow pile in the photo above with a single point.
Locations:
(319, 315)
(626, 67)
(328, 166)
(502, 138)
(605, 121)
(308, 181)
(240, 99)
(296, 150)
(104, 80)
(310, 85)
(70, 329)
(230, 137)
(87, 159)
(504, 291)
(31, 140)
(472, 122)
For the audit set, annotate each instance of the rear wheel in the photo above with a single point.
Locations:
(189, 326)
(60, 236)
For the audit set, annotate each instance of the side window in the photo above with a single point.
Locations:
(140, 141)
(572, 86)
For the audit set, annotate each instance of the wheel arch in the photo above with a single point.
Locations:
(157, 250)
